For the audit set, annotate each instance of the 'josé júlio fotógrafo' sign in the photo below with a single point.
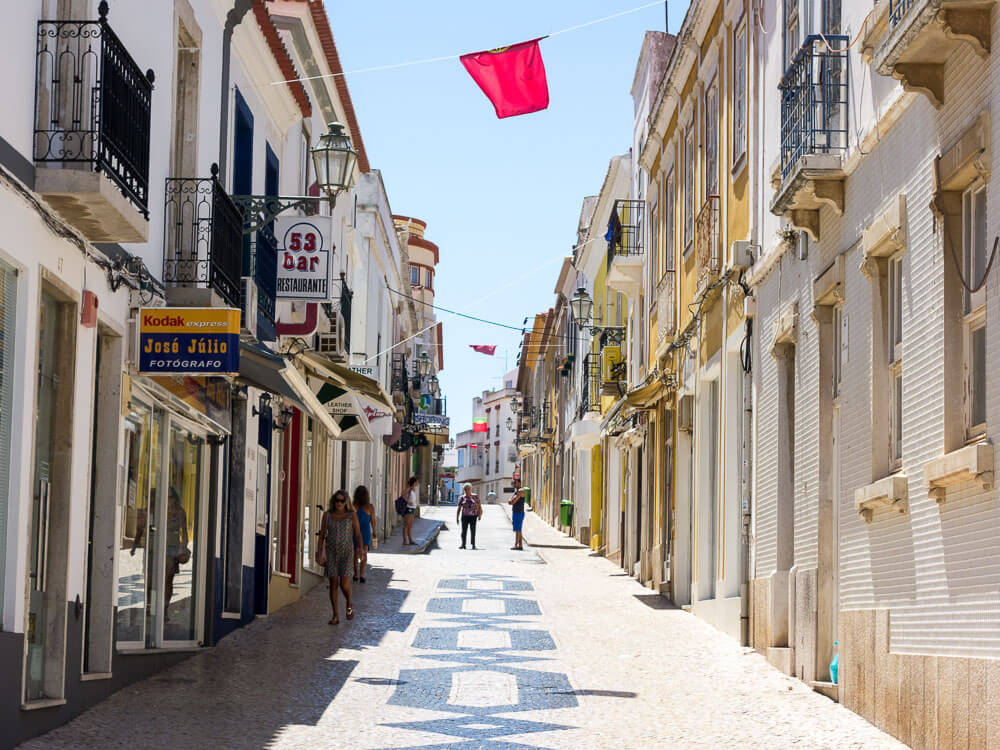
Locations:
(189, 341)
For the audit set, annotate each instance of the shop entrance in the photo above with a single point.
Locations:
(163, 545)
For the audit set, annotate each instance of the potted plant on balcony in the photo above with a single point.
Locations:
(788, 237)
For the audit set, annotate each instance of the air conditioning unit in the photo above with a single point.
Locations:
(331, 343)
(685, 413)
(741, 255)
(249, 321)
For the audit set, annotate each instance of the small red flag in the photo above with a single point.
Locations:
(484, 348)
(513, 78)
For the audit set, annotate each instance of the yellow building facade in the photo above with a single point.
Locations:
(696, 156)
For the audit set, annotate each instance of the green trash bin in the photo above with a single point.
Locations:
(566, 513)
(527, 495)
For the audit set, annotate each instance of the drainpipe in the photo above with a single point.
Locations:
(233, 19)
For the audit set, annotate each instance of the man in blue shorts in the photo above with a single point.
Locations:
(517, 514)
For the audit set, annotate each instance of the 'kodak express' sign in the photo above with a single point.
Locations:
(189, 341)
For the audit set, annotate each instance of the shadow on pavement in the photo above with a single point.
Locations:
(655, 601)
(603, 693)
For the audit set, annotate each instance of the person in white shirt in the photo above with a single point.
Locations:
(412, 503)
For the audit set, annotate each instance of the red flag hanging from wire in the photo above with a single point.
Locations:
(513, 78)
(484, 348)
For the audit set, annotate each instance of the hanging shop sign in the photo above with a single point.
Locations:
(431, 420)
(189, 341)
(304, 249)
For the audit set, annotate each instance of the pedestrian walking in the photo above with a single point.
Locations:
(517, 514)
(366, 522)
(412, 503)
(338, 536)
(469, 510)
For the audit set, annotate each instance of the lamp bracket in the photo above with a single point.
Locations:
(260, 210)
(608, 334)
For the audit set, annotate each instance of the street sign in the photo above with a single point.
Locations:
(431, 420)
(304, 250)
(189, 341)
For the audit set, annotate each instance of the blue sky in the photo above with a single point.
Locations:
(500, 197)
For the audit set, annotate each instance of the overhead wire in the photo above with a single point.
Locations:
(458, 55)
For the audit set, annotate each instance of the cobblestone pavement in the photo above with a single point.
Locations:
(552, 647)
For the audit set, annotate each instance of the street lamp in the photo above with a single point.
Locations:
(334, 158)
(423, 365)
(510, 423)
(581, 305)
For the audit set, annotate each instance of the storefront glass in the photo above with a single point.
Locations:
(161, 548)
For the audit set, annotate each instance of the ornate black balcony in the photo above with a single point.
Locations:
(92, 109)
(590, 395)
(399, 381)
(203, 237)
(814, 134)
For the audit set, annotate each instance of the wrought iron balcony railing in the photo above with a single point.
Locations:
(92, 104)
(263, 268)
(708, 241)
(590, 395)
(897, 10)
(399, 380)
(814, 101)
(665, 314)
(203, 235)
(625, 228)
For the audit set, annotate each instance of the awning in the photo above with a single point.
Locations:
(343, 406)
(354, 380)
(263, 369)
(313, 408)
(611, 417)
(644, 397)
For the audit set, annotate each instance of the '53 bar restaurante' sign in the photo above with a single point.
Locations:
(189, 341)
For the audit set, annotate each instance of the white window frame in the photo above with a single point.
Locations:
(739, 95)
(689, 188)
(974, 254)
(790, 33)
(838, 356)
(711, 119)
(894, 357)
(670, 235)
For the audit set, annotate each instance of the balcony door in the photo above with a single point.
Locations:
(45, 642)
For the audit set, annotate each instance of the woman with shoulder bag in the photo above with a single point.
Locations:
(339, 534)
(470, 510)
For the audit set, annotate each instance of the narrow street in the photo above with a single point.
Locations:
(550, 647)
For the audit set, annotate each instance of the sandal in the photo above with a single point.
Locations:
(334, 621)
(362, 579)
(350, 613)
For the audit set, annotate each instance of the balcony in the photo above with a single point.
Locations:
(666, 322)
(912, 39)
(203, 237)
(399, 381)
(92, 121)
(263, 271)
(708, 243)
(626, 240)
(814, 96)
(590, 394)
(469, 473)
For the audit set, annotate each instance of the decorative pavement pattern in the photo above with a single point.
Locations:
(487, 672)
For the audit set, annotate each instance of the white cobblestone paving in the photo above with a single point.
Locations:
(552, 647)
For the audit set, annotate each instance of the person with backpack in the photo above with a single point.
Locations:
(406, 506)
(470, 510)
